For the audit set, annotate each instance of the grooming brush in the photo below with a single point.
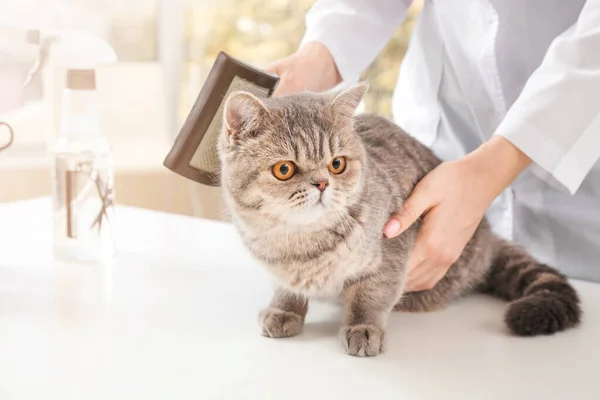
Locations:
(194, 152)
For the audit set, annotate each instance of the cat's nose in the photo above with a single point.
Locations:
(321, 185)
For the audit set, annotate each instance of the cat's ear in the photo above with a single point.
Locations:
(242, 114)
(346, 102)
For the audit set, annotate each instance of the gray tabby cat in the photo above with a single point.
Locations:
(310, 186)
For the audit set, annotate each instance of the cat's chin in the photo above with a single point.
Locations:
(316, 214)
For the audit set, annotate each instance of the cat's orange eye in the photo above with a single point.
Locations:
(284, 170)
(337, 165)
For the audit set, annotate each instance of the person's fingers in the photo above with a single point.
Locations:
(435, 278)
(417, 259)
(284, 88)
(418, 266)
(415, 281)
(424, 277)
(417, 204)
(422, 249)
(414, 286)
(419, 286)
(429, 280)
(272, 68)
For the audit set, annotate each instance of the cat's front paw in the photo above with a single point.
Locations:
(277, 323)
(362, 340)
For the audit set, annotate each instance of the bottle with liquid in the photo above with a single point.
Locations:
(82, 177)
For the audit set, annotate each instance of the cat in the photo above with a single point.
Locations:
(309, 186)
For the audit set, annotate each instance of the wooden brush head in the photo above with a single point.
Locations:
(194, 152)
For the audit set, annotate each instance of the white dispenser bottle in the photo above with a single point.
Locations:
(82, 177)
(82, 169)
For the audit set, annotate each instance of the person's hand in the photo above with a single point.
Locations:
(311, 68)
(452, 199)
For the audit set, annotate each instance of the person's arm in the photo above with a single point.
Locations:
(342, 38)
(554, 127)
(556, 118)
(354, 31)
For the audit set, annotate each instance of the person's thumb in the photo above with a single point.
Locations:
(412, 209)
(271, 68)
(282, 86)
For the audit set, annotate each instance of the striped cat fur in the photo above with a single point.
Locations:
(319, 233)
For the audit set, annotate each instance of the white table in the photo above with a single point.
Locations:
(175, 318)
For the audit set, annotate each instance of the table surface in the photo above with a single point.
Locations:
(175, 318)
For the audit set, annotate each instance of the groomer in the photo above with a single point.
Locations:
(507, 92)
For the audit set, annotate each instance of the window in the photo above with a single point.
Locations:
(130, 27)
(260, 31)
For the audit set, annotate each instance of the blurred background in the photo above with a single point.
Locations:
(165, 50)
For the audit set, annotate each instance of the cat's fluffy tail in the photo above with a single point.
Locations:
(542, 300)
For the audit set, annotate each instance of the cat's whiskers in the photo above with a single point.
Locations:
(298, 199)
(299, 204)
(362, 234)
(341, 190)
(348, 221)
(294, 194)
(341, 216)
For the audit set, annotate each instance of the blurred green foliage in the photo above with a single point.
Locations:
(261, 31)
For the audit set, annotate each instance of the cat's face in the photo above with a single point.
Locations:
(296, 158)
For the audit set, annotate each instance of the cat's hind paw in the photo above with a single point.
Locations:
(362, 340)
(278, 323)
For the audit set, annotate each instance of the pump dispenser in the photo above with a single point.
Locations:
(82, 168)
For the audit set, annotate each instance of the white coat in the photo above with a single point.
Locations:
(526, 70)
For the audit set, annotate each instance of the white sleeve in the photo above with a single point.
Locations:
(354, 31)
(556, 118)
